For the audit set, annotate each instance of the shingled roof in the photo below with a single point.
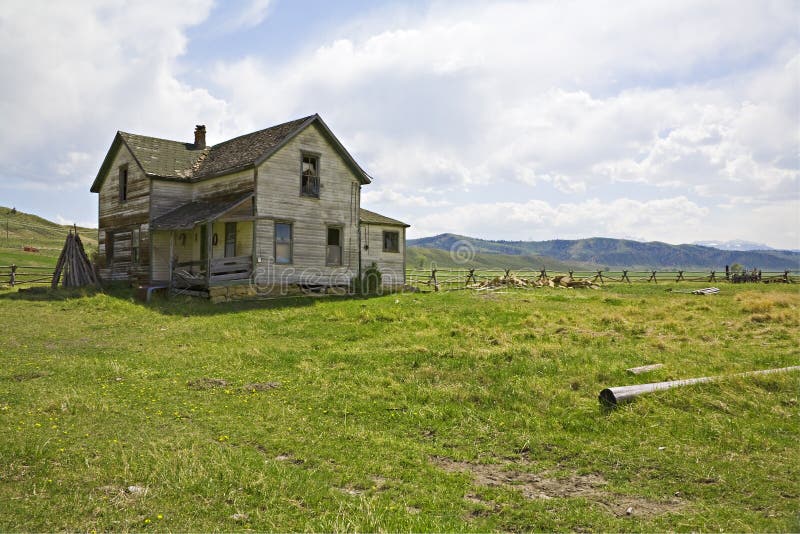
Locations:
(187, 216)
(245, 150)
(162, 157)
(370, 217)
(174, 160)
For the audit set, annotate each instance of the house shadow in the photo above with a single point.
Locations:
(179, 305)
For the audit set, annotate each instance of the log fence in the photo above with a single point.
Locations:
(16, 275)
(437, 279)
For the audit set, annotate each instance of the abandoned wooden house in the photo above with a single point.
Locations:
(279, 207)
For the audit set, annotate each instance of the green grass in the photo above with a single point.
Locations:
(410, 412)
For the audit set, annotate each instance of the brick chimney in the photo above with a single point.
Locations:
(200, 136)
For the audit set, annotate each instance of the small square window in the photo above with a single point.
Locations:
(309, 176)
(391, 241)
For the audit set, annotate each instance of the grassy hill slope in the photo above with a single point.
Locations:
(623, 253)
(19, 229)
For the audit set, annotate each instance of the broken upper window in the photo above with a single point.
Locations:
(309, 179)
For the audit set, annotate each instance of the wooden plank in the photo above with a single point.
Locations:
(232, 276)
(644, 368)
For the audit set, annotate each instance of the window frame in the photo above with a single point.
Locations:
(136, 245)
(397, 242)
(123, 183)
(340, 229)
(275, 242)
(303, 155)
(228, 226)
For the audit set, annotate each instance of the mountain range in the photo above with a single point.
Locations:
(592, 253)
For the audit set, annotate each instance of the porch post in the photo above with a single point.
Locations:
(171, 257)
(209, 247)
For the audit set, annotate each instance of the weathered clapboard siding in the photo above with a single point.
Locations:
(238, 182)
(167, 195)
(114, 213)
(123, 216)
(278, 199)
(390, 264)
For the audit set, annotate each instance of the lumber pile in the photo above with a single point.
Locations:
(73, 267)
(511, 281)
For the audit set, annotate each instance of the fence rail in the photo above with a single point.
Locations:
(16, 275)
(447, 279)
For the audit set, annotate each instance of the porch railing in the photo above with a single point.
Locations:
(204, 273)
(234, 268)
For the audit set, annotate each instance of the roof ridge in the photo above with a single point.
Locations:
(274, 126)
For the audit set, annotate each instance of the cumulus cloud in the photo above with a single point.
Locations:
(628, 118)
(77, 72)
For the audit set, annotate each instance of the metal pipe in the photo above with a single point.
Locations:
(624, 394)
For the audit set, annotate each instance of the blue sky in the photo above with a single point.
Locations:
(671, 121)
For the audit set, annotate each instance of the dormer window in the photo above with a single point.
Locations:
(309, 176)
(123, 183)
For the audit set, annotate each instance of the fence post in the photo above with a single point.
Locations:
(600, 276)
(433, 279)
(471, 276)
(652, 277)
(12, 278)
(625, 277)
(713, 277)
(542, 276)
(680, 277)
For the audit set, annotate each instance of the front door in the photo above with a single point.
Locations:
(230, 239)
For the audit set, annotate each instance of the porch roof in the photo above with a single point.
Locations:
(189, 215)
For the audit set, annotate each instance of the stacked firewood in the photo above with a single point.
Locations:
(73, 267)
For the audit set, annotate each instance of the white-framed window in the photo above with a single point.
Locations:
(283, 242)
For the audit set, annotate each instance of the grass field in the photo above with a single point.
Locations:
(456, 411)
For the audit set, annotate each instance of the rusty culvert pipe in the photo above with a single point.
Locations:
(624, 394)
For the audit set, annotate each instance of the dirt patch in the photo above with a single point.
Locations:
(264, 386)
(207, 383)
(32, 375)
(546, 485)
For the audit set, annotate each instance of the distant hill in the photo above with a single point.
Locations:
(424, 258)
(736, 244)
(19, 229)
(606, 253)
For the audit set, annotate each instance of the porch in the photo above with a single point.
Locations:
(204, 244)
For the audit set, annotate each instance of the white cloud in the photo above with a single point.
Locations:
(253, 13)
(649, 117)
(77, 72)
